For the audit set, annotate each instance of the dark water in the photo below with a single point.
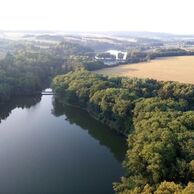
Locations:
(46, 149)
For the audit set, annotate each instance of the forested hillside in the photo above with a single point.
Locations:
(26, 69)
(157, 117)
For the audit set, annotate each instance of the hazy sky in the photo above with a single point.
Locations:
(175, 16)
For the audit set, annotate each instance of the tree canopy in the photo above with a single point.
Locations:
(158, 118)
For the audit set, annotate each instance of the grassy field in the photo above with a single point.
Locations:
(168, 69)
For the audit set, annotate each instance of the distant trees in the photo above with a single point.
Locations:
(138, 55)
(25, 73)
(106, 55)
(160, 116)
(67, 48)
(120, 56)
(28, 68)
(170, 52)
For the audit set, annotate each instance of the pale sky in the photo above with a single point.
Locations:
(174, 16)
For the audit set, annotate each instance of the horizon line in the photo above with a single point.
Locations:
(99, 31)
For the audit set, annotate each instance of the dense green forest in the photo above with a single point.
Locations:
(157, 117)
(27, 68)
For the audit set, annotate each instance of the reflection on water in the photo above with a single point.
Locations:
(105, 135)
(19, 102)
(64, 152)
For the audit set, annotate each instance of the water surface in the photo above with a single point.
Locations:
(55, 150)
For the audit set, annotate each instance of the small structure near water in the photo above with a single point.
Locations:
(112, 57)
(47, 91)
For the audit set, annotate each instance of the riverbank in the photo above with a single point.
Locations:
(63, 102)
(161, 114)
(49, 149)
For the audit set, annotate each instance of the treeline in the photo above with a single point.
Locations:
(136, 56)
(159, 117)
(112, 99)
(28, 68)
(74, 62)
(26, 73)
(67, 48)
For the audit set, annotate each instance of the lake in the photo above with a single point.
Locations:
(179, 69)
(49, 149)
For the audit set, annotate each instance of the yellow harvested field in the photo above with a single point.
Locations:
(168, 69)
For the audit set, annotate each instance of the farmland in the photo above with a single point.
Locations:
(179, 69)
